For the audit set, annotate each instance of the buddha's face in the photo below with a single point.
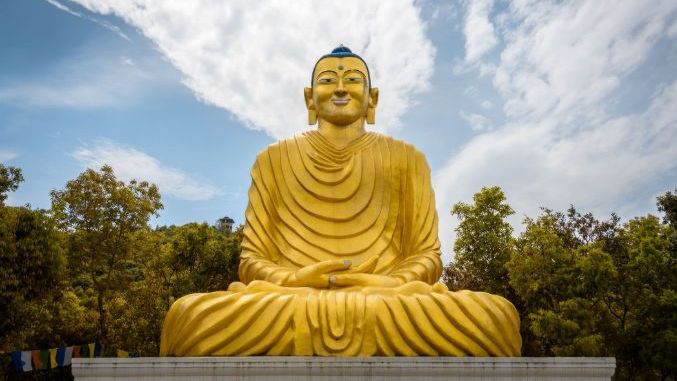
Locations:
(340, 92)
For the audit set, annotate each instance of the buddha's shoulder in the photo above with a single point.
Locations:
(397, 142)
(409, 150)
(275, 147)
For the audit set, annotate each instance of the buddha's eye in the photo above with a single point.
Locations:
(326, 80)
(353, 79)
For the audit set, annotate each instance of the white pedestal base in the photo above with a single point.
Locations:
(344, 368)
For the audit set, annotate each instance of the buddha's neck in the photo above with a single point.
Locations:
(342, 136)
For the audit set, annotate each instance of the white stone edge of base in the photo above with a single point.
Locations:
(580, 367)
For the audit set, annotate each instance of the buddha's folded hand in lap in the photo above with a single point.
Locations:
(340, 255)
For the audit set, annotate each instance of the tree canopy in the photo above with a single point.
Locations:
(583, 286)
(10, 177)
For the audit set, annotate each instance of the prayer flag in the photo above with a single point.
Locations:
(52, 357)
(26, 359)
(91, 350)
(36, 359)
(60, 356)
(122, 353)
(97, 349)
(68, 356)
(16, 360)
(22, 360)
(85, 351)
(44, 358)
(76, 351)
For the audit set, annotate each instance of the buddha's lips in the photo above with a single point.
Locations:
(340, 101)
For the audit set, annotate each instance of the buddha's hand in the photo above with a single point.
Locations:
(367, 267)
(317, 275)
(364, 280)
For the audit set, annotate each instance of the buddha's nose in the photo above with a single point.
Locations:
(340, 90)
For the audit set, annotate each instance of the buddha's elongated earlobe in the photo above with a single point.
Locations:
(310, 105)
(312, 117)
(371, 116)
(371, 108)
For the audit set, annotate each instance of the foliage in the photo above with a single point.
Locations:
(32, 271)
(644, 299)
(583, 286)
(10, 177)
(483, 244)
(560, 272)
(100, 214)
(201, 258)
(667, 204)
(92, 269)
(177, 261)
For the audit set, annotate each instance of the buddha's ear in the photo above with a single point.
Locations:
(310, 105)
(371, 108)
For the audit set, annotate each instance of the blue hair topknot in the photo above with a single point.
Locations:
(341, 51)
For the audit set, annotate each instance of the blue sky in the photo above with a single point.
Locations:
(558, 103)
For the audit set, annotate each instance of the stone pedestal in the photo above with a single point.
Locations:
(344, 368)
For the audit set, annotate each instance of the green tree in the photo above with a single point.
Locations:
(31, 274)
(560, 273)
(137, 312)
(201, 258)
(643, 301)
(176, 261)
(483, 244)
(10, 177)
(595, 288)
(101, 214)
(667, 204)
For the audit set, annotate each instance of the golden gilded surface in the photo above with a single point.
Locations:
(318, 204)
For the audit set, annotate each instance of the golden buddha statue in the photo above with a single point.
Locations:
(340, 255)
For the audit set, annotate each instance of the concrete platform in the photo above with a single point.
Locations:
(344, 368)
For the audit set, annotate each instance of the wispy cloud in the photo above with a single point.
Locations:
(130, 163)
(254, 58)
(480, 36)
(7, 155)
(113, 28)
(477, 122)
(78, 95)
(558, 75)
(87, 80)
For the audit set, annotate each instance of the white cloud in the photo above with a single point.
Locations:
(129, 163)
(254, 58)
(471, 91)
(113, 28)
(477, 122)
(479, 31)
(7, 155)
(487, 105)
(560, 145)
(79, 95)
(563, 60)
(487, 69)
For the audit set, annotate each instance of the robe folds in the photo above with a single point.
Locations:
(309, 202)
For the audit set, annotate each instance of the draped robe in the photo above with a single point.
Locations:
(309, 202)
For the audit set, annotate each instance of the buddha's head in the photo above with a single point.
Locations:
(341, 91)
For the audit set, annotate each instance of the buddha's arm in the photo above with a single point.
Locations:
(421, 246)
(254, 267)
